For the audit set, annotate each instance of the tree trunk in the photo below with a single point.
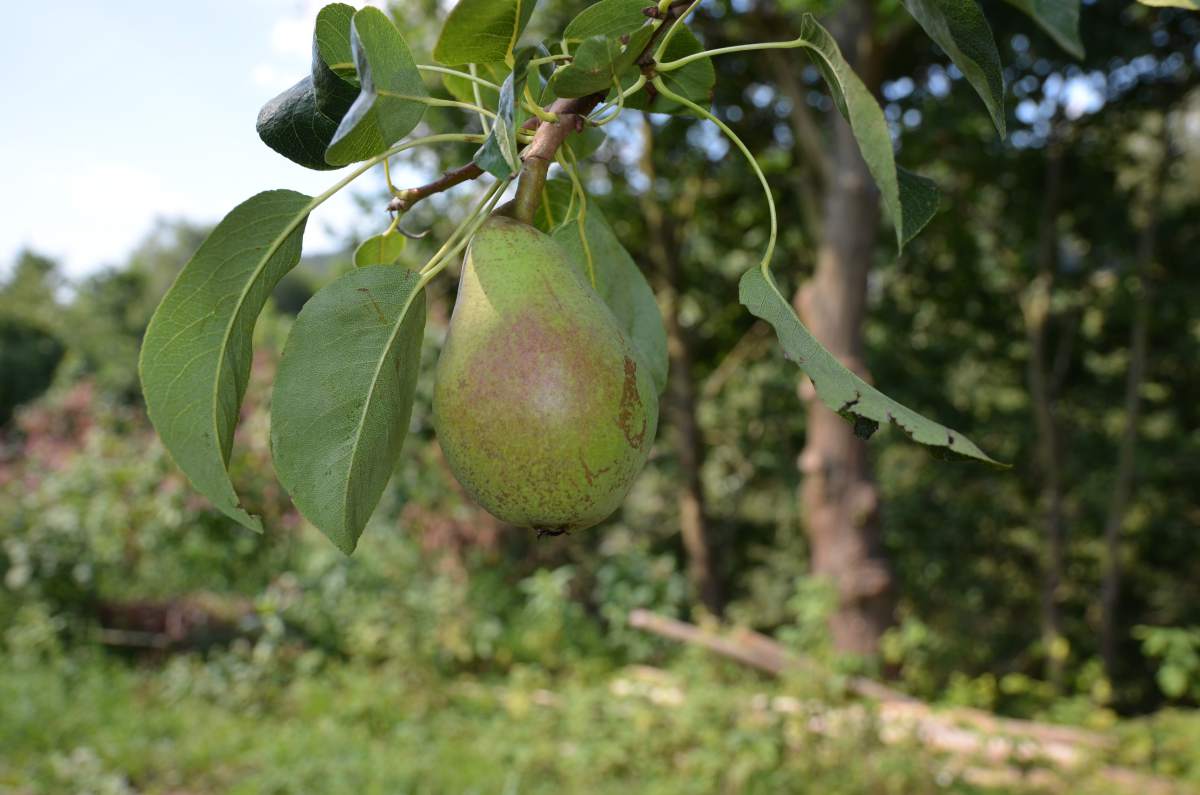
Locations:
(840, 498)
(1038, 318)
(1123, 483)
(663, 247)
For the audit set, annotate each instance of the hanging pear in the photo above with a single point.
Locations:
(541, 406)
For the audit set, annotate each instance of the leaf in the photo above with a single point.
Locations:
(482, 31)
(609, 18)
(379, 250)
(694, 81)
(961, 30)
(919, 199)
(344, 394)
(1188, 5)
(909, 212)
(334, 75)
(839, 388)
(291, 125)
(195, 358)
(1059, 18)
(619, 281)
(331, 40)
(390, 103)
(598, 61)
(462, 89)
(499, 155)
(301, 122)
(585, 143)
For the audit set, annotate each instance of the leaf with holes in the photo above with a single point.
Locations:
(391, 100)
(344, 394)
(196, 354)
(961, 30)
(840, 389)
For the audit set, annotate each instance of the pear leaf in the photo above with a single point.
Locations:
(839, 388)
(391, 102)
(344, 395)
(196, 354)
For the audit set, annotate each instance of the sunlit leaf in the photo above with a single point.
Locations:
(608, 18)
(482, 31)
(389, 104)
(380, 250)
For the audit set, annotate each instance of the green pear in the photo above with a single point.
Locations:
(541, 405)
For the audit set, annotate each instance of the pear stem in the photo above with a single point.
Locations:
(529, 189)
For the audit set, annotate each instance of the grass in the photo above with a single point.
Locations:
(92, 724)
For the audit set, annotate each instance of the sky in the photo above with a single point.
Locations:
(121, 112)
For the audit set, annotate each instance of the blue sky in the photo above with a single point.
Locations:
(118, 112)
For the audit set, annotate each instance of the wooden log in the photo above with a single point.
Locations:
(1004, 746)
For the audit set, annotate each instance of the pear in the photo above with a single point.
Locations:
(540, 404)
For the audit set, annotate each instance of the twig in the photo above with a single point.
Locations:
(971, 735)
(548, 136)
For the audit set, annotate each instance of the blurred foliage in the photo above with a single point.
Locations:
(454, 654)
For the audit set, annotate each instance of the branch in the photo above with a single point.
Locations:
(548, 136)
(1004, 747)
(404, 201)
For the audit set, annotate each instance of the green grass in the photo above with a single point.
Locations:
(95, 725)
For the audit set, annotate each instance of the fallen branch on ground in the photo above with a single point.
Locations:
(971, 736)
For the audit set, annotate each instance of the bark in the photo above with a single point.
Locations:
(1126, 453)
(1038, 320)
(663, 248)
(840, 497)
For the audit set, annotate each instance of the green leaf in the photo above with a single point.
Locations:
(585, 143)
(195, 358)
(292, 125)
(390, 103)
(1059, 18)
(919, 199)
(610, 18)
(840, 389)
(463, 90)
(598, 61)
(380, 250)
(331, 40)
(301, 122)
(344, 394)
(961, 30)
(499, 155)
(1189, 5)
(482, 31)
(909, 212)
(334, 75)
(619, 281)
(694, 81)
